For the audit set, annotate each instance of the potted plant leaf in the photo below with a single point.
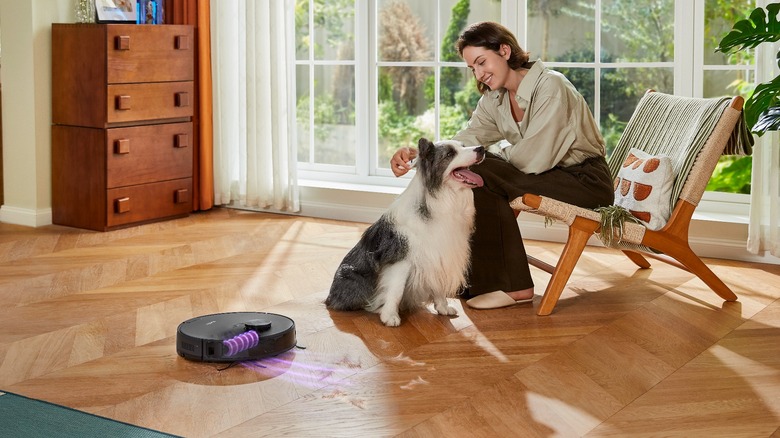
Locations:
(762, 108)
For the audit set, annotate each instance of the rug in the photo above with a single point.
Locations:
(29, 418)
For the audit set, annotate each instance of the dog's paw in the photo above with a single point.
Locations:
(444, 309)
(393, 320)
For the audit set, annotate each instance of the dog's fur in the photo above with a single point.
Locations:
(418, 251)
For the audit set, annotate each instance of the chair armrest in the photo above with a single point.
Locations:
(552, 208)
(561, 211)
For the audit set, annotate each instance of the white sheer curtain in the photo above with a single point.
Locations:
(253, 67)
(764, 229)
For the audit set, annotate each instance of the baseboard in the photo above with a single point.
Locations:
(25, 216)
(340, 212)
(346, 203)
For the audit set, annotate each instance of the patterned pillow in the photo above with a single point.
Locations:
(644, 186)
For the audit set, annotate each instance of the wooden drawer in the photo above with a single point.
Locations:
(129, 103)
(144, 154)
(162, 53)
(88, 60)
(145, 202)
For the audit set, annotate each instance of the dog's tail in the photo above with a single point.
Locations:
(355, 282)
(350, 290)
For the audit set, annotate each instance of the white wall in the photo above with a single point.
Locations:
(25, 32)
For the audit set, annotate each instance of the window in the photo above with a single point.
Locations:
(376, 75)
(325, 83)
(735, 73)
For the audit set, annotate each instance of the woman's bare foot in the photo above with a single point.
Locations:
(521, 294)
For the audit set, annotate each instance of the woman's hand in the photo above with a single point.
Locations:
(399, 164)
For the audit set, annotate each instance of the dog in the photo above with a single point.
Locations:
(418, 251)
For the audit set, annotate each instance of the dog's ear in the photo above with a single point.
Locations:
(425, 146)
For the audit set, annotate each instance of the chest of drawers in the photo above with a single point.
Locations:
(122, 106)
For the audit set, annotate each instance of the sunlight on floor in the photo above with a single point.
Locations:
(756, 374)
(262, 280)
(549, 412)
(483, 342)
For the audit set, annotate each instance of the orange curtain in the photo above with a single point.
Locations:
(196, 13)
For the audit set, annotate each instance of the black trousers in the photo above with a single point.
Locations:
(498, 258)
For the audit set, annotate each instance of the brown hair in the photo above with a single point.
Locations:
(492, 35)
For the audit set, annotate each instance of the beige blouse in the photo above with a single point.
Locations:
(557, 129)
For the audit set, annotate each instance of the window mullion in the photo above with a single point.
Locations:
(312, 92)
(688, 44)
(364, 156)
(597, 70)
(437, 74)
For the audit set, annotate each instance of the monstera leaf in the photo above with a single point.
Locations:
(759, 28)
(762, 109)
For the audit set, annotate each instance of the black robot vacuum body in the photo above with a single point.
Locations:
(235, 336)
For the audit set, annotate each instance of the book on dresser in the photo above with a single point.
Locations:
(122, 107)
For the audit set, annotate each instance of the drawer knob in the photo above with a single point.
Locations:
(122, 146)
(181, 196)
(123, 102)
(122, 205)
(182, 42)
(122, 42)
(181, 140)
(182, 99)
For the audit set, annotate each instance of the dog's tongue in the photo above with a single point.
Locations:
(469, 177)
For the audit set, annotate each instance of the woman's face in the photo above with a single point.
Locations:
(489, 67)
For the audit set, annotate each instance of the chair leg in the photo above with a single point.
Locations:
(579, 233)
(696, 266)
(637, 258)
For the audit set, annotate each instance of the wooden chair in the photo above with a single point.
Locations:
(694, 133)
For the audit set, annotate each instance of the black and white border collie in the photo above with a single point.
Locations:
(418, 251)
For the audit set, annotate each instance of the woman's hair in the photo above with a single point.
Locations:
(492, 35)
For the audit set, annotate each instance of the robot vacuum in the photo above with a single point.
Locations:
(235, 336)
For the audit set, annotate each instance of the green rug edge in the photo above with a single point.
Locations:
(27, 417)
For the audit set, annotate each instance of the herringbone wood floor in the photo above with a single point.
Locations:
(88, 320)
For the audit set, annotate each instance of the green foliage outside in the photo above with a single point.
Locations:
(396, 127)
(450, 77)
(329, 16)
(327, 111)
(451, 120)
(732, 175)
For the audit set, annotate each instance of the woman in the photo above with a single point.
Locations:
(552, 147)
